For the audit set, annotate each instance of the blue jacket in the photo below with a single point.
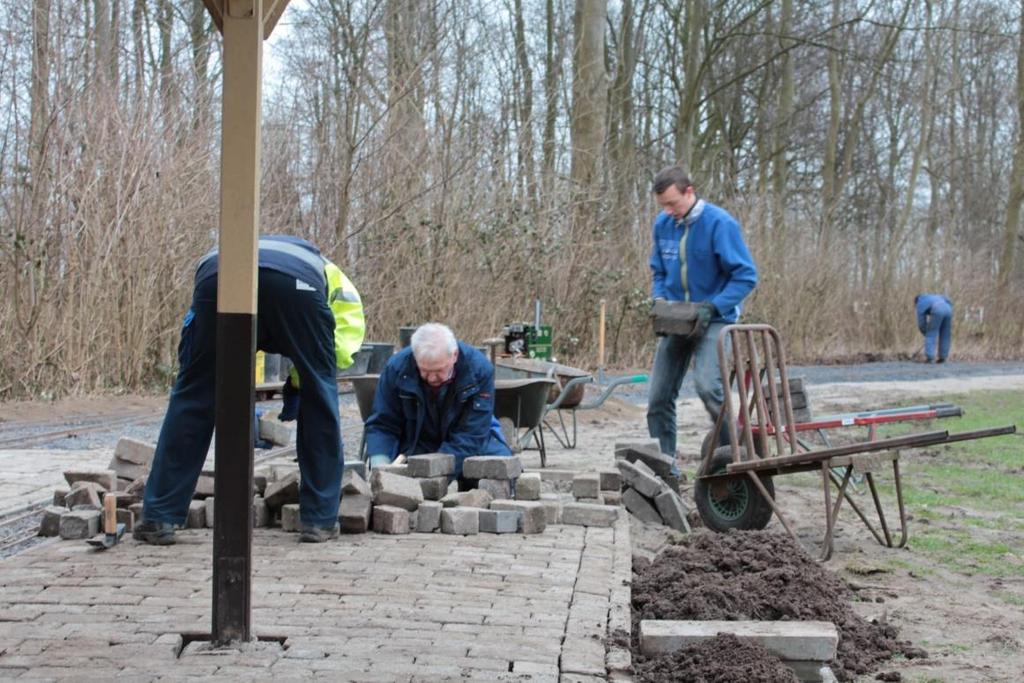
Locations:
(935, 304)
(719, 267)
(399, 409)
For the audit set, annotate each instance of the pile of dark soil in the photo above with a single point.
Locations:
(722, 659)
(756, 575)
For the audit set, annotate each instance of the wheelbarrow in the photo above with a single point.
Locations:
(566, 395)
(734, 488)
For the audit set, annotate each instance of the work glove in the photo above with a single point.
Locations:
(705, 312)
(290, 404)
(652, 316)
(379, 460)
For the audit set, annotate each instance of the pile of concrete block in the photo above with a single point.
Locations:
(801, 402)
(76, 511)
(415, 497)
(651, 490)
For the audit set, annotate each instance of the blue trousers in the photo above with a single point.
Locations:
(938, 328)
(671, 361)
(293, 322)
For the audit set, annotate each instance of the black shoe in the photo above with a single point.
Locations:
(941, 360)
(318, 534)
(154, 533)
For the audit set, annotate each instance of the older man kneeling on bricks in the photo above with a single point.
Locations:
(437, 396)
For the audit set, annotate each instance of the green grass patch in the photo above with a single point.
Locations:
(960, 551)
(1011, 599)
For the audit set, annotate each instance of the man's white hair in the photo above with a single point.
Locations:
(433, 341)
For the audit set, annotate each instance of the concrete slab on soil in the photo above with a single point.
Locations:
(796, 640)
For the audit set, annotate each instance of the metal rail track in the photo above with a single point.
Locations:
(64, 432)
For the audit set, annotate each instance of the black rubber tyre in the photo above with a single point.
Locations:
(735, 503)
(711, 442)
(708, 443)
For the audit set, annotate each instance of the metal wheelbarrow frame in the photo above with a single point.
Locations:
(566, 395)
(734, 486)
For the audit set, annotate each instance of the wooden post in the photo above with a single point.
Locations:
(242, 27)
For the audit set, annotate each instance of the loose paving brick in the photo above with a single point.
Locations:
(645, 482)
(204, 485)
(196, 518)
(208, 506)
(60, 495)
(106, 479)
(276, 432)
(428, 518)
(431, 465)
(395, 490)
(585, 514)
(552, 507)
(357, 466)
(528, 486)
(492, 467)
(354, 513)
(49, 525)
(464, 521)
(352, 483)
(500, 489)
(390, 519)
(649, 454)
(434, 488)
(640, 506)
(126, 517)
(672, 509)
(260, 512)
(586, 485)
(290, 517)
(474, 498)
(79, 524)
(400, 470)
(85, 494)
(533, 519)
(283, 491)
(611, 480)
(499, 521)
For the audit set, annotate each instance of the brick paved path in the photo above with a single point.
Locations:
(362, 608)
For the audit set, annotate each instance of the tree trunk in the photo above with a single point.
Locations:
(783, 116)
(1011, 228)
(588, 112)
(525, 109)
(689, 104)
(552, 75)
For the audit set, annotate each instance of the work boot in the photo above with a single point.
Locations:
(154, 533)
(318, 534)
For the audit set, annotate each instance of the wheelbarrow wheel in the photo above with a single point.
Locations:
(711, 442)
(733, 503)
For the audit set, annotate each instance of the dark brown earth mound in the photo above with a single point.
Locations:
(722, 659)
(763, 576)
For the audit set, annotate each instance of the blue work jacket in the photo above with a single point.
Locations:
(400, 410)
(719, 268)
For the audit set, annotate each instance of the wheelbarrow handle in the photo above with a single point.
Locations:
(618, 381)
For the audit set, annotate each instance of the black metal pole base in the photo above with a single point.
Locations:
(232, 517)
